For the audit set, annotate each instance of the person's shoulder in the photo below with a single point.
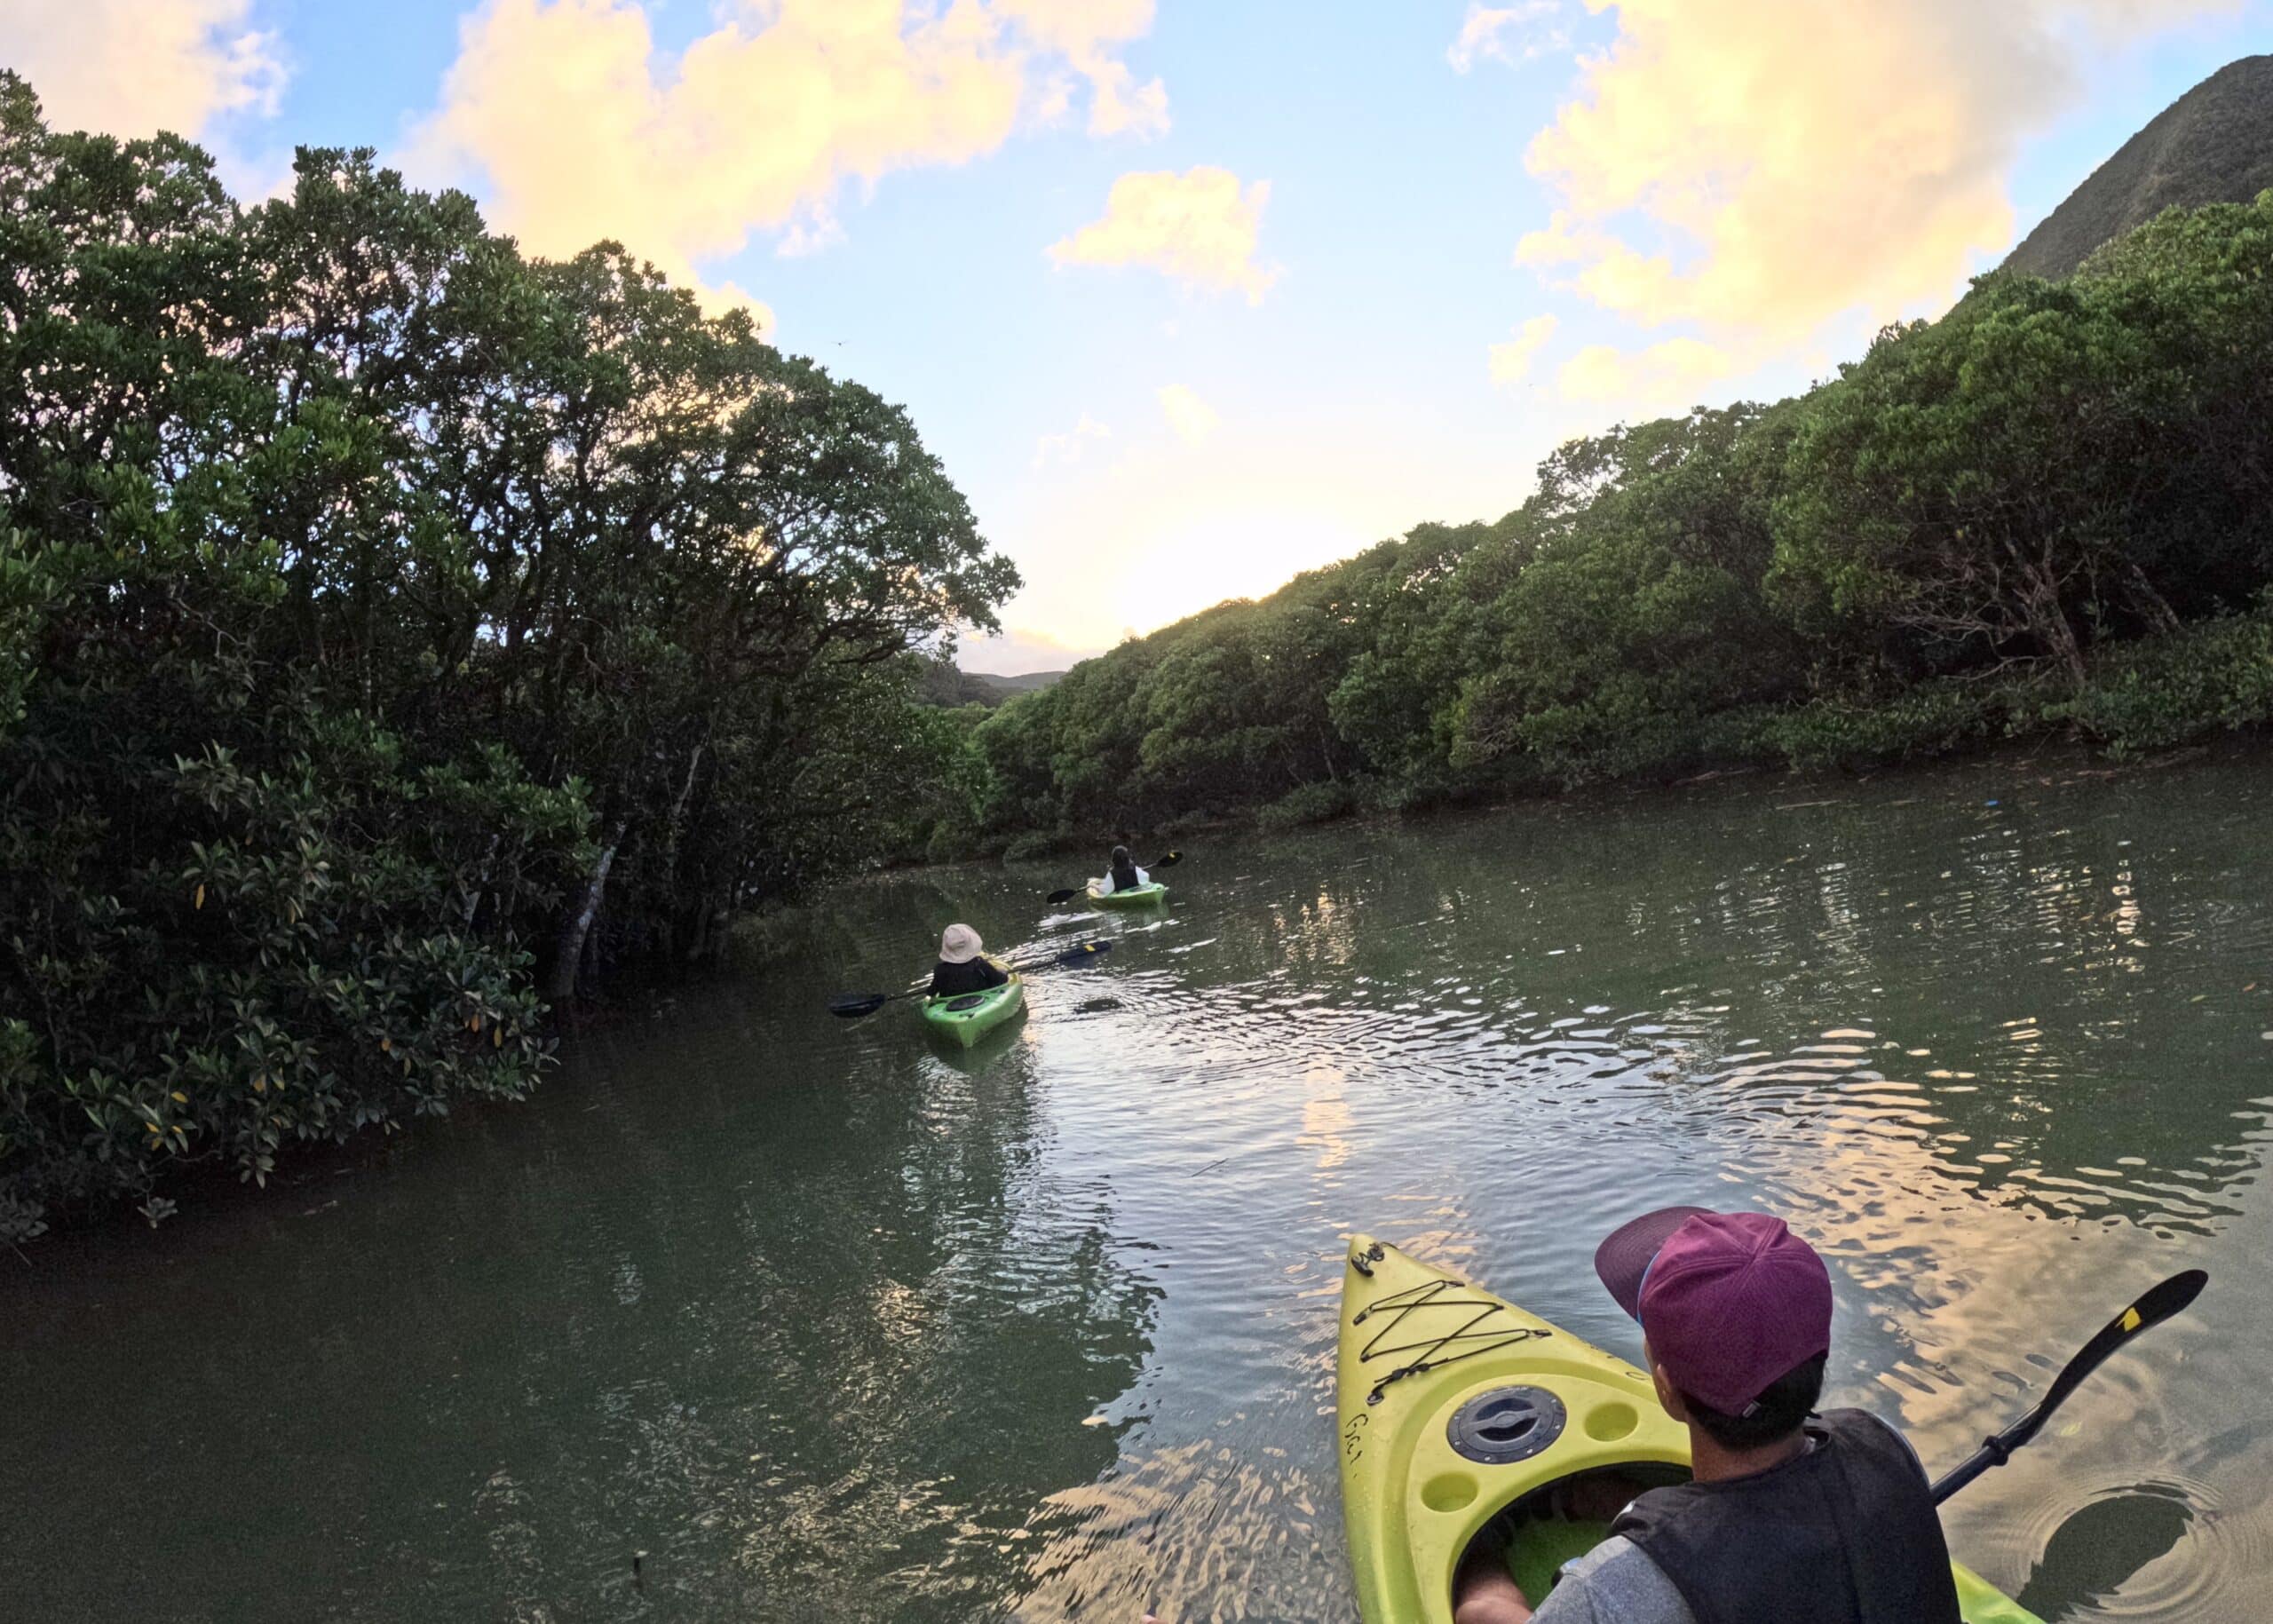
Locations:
(1866, 1419)
(1614, 1583)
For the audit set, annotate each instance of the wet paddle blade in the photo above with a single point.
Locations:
(2171, 1297)
(851, 1006)
(1057, 897)
(1082, 955)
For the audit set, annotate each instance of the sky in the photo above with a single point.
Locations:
(1194, 295)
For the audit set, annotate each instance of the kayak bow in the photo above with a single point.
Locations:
(1453, 1404)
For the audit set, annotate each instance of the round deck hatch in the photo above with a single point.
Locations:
(1506, 1425)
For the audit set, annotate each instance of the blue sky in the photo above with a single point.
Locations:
(1307, 224)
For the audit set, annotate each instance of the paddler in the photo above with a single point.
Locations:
(1121, 873)
(1790, 1515)
(963, 966)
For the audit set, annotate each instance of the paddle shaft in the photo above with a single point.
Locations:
(2149, 1310)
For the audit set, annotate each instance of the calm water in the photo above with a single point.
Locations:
(832, 1325)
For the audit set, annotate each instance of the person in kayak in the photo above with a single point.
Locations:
(963, 966)
(1789, 1515)
(1122, 874)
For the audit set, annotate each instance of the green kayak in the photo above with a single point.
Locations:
(969, 1017)
(1426, 1359)
(1141, 896)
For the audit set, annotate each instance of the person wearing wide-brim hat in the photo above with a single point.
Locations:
(1789, 1514)
(963, 966)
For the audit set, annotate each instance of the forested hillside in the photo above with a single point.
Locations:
(2213, 145)
(2052, 509)
(397, 635)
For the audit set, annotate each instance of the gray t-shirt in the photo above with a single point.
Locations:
(1614, 1583)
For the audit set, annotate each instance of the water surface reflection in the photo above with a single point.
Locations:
(835, 1325)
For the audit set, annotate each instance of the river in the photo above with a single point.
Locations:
(831, 1323)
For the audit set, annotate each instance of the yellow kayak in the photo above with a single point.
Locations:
(1453, 1404)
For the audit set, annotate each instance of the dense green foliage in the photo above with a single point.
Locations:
(2052, 508)
(396, 632)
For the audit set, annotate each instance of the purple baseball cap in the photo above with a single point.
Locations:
(1731, 1302)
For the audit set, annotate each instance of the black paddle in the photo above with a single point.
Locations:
(1055, 897)
(2158, 1305)
(851, 1006)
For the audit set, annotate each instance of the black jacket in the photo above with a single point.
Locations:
(1843, 1533)
(975, 975)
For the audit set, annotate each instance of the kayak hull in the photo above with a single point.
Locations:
(966, 1018)
(1144, 896)
(1424, 1354)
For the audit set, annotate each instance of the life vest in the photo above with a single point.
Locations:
(1124, 875)
(1844, 1532)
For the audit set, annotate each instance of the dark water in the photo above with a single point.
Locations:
(832, 1325)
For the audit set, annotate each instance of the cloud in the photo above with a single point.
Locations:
(562, 114)
(1191, 417)
(1198, 228)
(133, 68)
(1482, 32)
(1758, 169)
(1016, 651)
(1067, 447)
(1511, 359)
(1082, 32)
(1668, 375)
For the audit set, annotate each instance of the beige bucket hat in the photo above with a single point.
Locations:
(959, 945)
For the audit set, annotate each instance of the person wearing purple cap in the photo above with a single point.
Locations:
(1788, 1515)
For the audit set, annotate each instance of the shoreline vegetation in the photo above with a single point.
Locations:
(403, 638)
(2048, 515)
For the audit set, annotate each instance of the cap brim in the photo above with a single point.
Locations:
(1622, 1260)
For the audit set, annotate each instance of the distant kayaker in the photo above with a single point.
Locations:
(1122, 874)
(1790, 1515)
(963, 966)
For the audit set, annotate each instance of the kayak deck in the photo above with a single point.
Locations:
(1453, 1404)
(1141, 896)
(968, 1016)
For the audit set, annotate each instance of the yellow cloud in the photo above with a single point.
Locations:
(1663, 374)
(1484, 31)
(1511, 359)
(133, 68)
(576, 130)
(1807, 158)
(1759, 169)
(1198, 228)
(1084, 32)
(1191, 417)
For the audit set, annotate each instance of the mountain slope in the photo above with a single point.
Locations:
(946, 685)
(2213, 145)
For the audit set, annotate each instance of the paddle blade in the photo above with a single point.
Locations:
(2171, 1297)
(851, 1006)
(1084, 954)
(1168, 861)
(1057, 897)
